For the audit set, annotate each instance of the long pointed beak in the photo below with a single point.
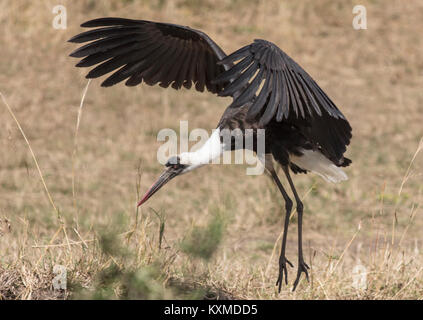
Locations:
(164, 178)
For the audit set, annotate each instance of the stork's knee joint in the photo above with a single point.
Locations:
(288, 205)
(300, 207)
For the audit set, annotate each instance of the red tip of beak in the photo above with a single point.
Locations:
(163, 179)
(144, 199)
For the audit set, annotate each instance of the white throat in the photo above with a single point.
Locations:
(212, 149)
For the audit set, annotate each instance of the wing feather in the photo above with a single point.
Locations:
(150, 52)
(287, 94)
(297, 91)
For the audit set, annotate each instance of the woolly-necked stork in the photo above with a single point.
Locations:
(304, 130)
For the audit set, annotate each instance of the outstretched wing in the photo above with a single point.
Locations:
(278, 90)
(275, 84)
(138, 50)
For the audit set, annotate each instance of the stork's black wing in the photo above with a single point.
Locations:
(152, 52)
(278, 89)
(276, 84)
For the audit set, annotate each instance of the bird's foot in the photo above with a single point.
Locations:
(302, 267)
(283, 271)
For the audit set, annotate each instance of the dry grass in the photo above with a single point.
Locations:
(112, 251)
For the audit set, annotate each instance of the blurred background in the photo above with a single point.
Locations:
(214, 234)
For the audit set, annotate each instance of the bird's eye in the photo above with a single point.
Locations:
(175, 166)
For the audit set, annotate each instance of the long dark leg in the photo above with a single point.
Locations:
(282, 259)
(302, 266)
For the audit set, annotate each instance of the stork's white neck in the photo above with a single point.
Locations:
(212, 149)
